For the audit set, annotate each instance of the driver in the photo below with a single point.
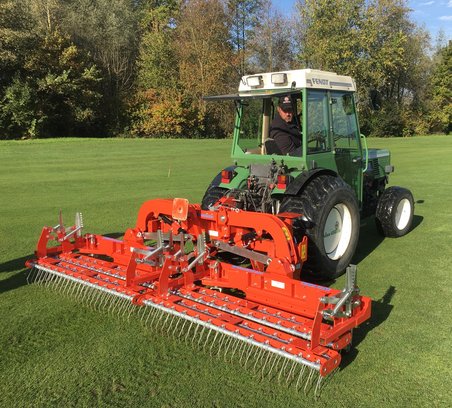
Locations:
(284, 129)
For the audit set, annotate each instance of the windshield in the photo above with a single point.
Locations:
(257, 117)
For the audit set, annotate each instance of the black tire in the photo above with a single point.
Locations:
(394, 214)
(326, 202)
(212, 195)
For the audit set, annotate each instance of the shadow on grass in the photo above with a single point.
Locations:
(381, 309)
(18, 279)
(13, 282)
(14, 264)
(370, 238)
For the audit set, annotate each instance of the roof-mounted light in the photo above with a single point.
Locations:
(279, 79)
(254, 81)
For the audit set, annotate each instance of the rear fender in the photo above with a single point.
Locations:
(296, 186)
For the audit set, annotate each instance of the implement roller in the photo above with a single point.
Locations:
(225, 279)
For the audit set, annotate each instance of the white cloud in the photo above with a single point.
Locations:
(449, 4)
(446, 18)
(429, 3)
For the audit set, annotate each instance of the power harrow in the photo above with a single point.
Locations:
(224, 278)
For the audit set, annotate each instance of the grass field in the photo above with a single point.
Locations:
(54, 352)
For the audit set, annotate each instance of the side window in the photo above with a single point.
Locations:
(317, 120)
(250, 132)
(344, 126)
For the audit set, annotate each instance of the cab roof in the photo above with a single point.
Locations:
(296, 79)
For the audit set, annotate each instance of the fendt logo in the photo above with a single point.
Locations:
(318, 81)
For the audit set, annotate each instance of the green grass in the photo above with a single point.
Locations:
(55, 352)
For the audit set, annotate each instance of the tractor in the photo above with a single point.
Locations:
(334, 181)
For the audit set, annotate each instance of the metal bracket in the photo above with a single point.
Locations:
(344, 298)
(201, 249)
(246, 253)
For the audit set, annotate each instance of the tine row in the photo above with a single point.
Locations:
(262, 361)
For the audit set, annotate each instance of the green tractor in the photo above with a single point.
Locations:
(332, 180)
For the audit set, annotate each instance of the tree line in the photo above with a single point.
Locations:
(140, 68)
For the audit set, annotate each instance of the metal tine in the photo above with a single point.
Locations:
(132, 310)
(155, 317)
(164, 325)
(168, 326)
(318, 387)
(242, 351)
(227, 346)
(65, 285)
(140, 313)
(201, 336)
(178, 321)
(267, 360)
(308, 384)
(44, 278)
(49, 280)
(73, 289)
(237, 347)
(125, 303)
(259, 357)
(120, 308)
(88, 297)
(103, 303)
(193, 338)
(300, 376)
(38, 273)
(183, 325)
(38, 276)
(223, 338)
(290, 375)
(116, 304)
(84, 293)
(282, 371)
(29, 277)
(92, 298)
(147, 313)
(272, 366)
(62, 284)
(251, 351)
(187, 335)
(125, 308)
(214, 342)
(97, 299)
(206, 340)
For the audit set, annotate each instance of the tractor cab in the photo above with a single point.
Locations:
(323, 108)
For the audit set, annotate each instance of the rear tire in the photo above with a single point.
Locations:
(212, 195)
(394, 214)
(331, 207)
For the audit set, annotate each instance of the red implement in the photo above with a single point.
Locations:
(235, 274)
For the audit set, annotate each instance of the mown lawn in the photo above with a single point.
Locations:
(55, 352)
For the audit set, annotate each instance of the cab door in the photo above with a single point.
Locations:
(344, 132)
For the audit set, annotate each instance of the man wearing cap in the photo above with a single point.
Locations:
(284, 130)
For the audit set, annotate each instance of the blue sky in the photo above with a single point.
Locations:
(432, 14)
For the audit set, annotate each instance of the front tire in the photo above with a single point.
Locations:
(394, 214)
(331, 207)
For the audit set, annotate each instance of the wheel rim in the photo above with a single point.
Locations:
(403, 213)
(337, 232)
